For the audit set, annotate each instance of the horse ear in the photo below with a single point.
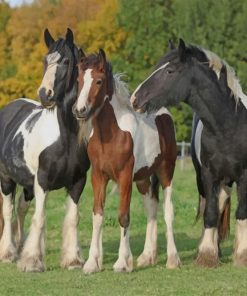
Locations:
(182, 50)
(48, 38)
(69, 37)
(171, 45)
(102, 57)
(81, 54)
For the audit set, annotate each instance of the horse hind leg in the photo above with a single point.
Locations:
(150, 194)
(18, 225)
(71, 257)
(7, 248)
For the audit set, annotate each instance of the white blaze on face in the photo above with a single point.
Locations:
(50, 74)
(83, 97)
(133, 96)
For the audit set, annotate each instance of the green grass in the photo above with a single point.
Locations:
(156, 280)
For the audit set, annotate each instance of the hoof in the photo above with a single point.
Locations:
(123, 265)
(8, 255)
(207, 258)
(91, 266)
(31, 264)
(146, 260)
(240, 259)
(173, 262)
(72, 264)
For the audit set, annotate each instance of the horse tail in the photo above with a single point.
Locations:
(224, 223)
(1, 216)
(200, 208)
(155, 184)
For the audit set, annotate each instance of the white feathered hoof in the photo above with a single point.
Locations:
(71, 264)
(173, 261)
(123, 264)
(8, 254)
(146, 260)
(91, 266)
(31, 264)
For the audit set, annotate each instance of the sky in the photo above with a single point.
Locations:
(17, 2)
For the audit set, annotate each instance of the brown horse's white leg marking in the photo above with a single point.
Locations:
(95, 259)
(240, 249)
(18, 224)
(149, 254)
(7, 248)
(32, 255)
(71, 252)
(173, 260)
(125, 259)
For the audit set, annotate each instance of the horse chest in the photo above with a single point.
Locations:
(43, 134)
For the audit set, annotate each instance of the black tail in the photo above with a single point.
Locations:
(224, 223)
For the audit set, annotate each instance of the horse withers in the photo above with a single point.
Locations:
(125, 147)
(39, 151)
(207, 83)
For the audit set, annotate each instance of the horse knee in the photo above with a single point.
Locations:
(124, 220)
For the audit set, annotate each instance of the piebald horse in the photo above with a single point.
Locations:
(39, 151)
(124, 146)
(209, 85)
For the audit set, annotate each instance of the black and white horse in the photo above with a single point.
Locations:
(39, 151)
(205, 82)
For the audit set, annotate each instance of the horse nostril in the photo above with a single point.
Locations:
(134, 103)
(49, 93)
(83, 109)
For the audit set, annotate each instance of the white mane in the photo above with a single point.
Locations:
(216, 63)
(121, 90)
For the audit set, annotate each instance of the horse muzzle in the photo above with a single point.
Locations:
(136, 106)
(81, 114)
(47, 98)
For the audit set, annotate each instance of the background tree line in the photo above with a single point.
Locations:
(134, 34)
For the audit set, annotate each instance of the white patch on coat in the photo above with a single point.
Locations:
(209, 240)
(50, 73)
(43, 134)
(7, 248)
(198, 136)
(83, 97)
(142, 127)
(241, 236)
(139, 86)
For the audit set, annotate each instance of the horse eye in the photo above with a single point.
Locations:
(99, 82)
(169, 71)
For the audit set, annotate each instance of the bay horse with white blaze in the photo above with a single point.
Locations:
(39, 151)
(125, 147)
(205, 82)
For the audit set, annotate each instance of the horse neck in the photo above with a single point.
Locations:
(67, 121)
(104, 123)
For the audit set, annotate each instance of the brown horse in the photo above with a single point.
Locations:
(125, 146)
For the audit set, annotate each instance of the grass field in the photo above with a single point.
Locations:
(156, 280)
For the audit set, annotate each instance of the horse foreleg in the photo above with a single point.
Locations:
(32, 255)
(208, 251)
(71, 251)
(125, 259)
(95, 259)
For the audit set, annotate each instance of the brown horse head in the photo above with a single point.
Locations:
(95, 85)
